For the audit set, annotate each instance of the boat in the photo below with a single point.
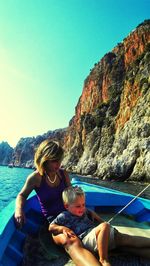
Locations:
(10, 165)
(101, 199)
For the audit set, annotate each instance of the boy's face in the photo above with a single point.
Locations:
(77, 207)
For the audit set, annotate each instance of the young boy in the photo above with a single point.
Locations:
(76, 217)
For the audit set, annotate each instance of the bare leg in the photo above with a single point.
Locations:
(143, 252)
(137, 245)
(79, 255)
(102, 235)
(132, 241)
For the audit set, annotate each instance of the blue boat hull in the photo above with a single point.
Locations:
(98, 198)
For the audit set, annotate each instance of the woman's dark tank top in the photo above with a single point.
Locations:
(50, 198)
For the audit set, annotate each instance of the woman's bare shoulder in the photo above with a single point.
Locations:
(34, 178)
(66, 175)
(64, 171)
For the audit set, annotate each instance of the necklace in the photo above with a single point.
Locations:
(49, 179)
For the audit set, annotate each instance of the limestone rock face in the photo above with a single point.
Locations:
(23, 154)
(109, 136)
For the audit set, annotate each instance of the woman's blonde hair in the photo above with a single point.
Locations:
(48, 150)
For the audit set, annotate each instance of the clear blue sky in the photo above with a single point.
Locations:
(47, 48)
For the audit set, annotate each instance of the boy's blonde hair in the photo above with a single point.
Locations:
(48, 150)
(70, 194)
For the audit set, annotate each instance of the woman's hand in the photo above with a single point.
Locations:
(19, 217)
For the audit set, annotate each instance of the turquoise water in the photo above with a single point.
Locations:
(11, 181)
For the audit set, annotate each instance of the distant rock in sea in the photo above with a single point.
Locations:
(5, 153)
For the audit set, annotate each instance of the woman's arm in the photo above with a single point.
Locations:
(67, 178)
(29, 185)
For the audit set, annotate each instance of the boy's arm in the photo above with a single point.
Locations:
(95, 216)
(58, 225)
(60, 229)
(55, 228)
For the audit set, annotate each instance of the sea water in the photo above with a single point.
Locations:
(11, 181)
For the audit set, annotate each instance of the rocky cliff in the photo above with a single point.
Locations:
(109, 136)
(24, 151)
(5, 153)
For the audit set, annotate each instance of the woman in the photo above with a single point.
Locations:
(49, 180)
